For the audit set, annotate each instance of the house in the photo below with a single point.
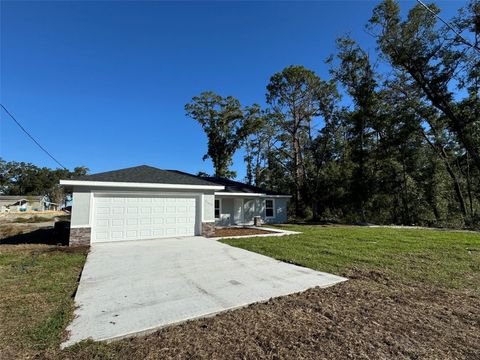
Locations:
(144, 202)
(11, 203)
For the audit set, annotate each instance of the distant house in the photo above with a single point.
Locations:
(10, 203)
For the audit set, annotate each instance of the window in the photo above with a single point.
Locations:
(269, 212)
(217, 209)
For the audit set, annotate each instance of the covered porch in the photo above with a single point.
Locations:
(241, 209)
(236, 209)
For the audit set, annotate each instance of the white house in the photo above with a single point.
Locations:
(13, 203)
(144, 202)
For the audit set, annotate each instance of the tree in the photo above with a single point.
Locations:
(296, 96)
(436, 63)
(227, 125)
(259, 149)
(356, 74)
(20, 178)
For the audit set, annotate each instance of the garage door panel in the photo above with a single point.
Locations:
(132, 210)
(128, 218)
(115, 234)
(170, 232)
(158, 232)
(158, 221)
(103, 210)
(102, 236)
(118, 210)
(102, 222)
(118, 222)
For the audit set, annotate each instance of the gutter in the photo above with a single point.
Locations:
(139, 185)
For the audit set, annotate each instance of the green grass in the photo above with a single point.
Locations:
(37, 282)
(36, 287)
(449, 259)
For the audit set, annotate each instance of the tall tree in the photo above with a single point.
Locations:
(296, 96)
(437, 62)
(356, 74)
(227, 125)
(259, 149)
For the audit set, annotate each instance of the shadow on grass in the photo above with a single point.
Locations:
(48, 236)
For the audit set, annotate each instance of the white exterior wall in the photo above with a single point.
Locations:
(208, 207)
(83, 197)
(227, 210)
(281, 214)
(81, 209)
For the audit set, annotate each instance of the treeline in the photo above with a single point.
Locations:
(21, 178)
(407, 149)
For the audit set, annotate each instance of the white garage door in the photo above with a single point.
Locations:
(117, 218)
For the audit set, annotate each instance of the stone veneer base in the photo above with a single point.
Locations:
(208, 229)
(80, 236)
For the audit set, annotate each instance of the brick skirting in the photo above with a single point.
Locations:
(208, 229)
(80, 236)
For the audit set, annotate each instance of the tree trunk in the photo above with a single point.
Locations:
(440, 151)
(456, 124)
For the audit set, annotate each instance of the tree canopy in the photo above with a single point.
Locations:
(227, 125)
(401, 147)
(21, 178)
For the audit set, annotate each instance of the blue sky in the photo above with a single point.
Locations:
(104, 84)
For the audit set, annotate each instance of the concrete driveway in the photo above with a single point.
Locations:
(135, 287)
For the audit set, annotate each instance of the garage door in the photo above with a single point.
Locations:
(117, 218)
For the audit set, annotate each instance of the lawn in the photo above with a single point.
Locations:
(412, 294)
(37, 283)
(445, 259)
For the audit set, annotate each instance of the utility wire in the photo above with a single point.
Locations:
(31, 137)
(463, 40)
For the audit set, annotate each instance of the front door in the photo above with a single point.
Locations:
(238, 211)
(249, 211)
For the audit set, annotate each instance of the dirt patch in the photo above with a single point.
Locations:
(240, 231)
(32, 216)
(368, 317)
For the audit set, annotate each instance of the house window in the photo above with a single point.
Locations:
(269, 212)
(217, 209)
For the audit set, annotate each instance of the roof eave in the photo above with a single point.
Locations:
(70, 183)
(247, 194)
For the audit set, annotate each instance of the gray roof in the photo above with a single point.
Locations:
(147, 174)
(153, 175)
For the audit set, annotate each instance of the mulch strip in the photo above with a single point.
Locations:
(369, 317)
(240, 232)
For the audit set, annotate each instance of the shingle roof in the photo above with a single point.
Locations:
(150, 174)
(232, 186)
(146, 174)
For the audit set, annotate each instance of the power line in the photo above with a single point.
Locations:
(31, 137)
(463, 40)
